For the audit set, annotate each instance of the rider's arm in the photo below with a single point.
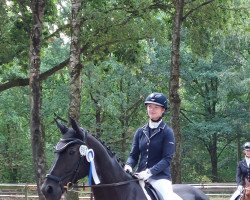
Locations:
(135, 152)
(168, 149)
(239, 175)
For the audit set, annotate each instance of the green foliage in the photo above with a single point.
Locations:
(207, 23)
(118, 89)
(217, 87)
(126, 55)
(15, 142)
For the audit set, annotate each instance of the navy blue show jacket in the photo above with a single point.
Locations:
(243, 171)
(154, 149)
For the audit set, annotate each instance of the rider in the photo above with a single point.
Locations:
(243, 171)
(154, 144)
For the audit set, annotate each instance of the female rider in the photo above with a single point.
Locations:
(153, 146)
(242, 172)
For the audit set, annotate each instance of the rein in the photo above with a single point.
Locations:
(71, 186)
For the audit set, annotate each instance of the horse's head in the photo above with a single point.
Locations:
(247, 189)
(70, 164)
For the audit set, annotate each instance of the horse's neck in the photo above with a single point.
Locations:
(110, 172)
(107, 167)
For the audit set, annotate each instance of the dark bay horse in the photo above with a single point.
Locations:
(78, 153)
(245, 194)
(246, 191)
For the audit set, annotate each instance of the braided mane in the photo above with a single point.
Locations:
(110, 152)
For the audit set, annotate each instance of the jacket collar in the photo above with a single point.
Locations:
(247, 161)
(146, 128)
(244, 163)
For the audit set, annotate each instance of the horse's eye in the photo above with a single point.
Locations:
(72, 152)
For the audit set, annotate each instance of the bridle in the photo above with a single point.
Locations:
(60, 147)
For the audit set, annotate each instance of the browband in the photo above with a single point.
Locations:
(63, 143)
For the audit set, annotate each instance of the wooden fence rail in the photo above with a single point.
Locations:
(28, 191)
(217, 189)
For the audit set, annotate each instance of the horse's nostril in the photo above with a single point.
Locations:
(49, 189)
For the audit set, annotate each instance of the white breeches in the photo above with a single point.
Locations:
(235, 195)
(164, 187)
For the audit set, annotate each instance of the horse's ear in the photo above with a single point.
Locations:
(77, 128)
(61, 126)
(74, 124)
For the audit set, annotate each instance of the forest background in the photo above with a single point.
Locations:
(98, 60)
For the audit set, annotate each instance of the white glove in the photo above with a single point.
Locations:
(128, 168)
(240, 188)
(144, 175)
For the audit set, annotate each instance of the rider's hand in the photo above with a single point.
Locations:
(128, 168)
(144, 175)
(240, 188)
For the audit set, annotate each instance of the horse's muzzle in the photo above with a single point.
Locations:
(51, 190)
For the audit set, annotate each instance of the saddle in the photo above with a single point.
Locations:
(149, 189)
(154, 195)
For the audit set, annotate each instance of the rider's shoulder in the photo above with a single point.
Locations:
(241, 162)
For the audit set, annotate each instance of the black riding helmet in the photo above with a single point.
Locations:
(157, 99)
(247, 146)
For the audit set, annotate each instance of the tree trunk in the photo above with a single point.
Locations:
(98, 113)
(210, 101)
(75, 62)
(75, 73)
(36, 128)
(239, 148)
(214, 157)
(98, 121)
(174, 97)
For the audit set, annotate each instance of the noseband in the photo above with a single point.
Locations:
(60, 147)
